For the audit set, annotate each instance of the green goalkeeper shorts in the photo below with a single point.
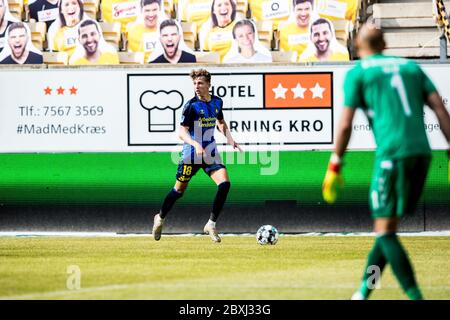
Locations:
(397, 185)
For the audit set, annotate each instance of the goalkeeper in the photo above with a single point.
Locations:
(392, 92)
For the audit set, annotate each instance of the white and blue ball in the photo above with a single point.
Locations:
(267, 234)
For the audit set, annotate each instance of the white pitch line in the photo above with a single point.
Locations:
(160, 285)
(25, 234)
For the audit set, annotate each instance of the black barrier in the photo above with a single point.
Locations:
(287, 216)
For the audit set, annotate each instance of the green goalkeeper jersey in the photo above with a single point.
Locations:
(392, 92)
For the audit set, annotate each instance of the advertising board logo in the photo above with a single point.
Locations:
(161, 106)
(298, 90)
(260, 108)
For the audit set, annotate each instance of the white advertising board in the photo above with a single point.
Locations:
(133, 110)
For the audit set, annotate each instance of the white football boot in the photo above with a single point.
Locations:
(157, 227)
(212, 231)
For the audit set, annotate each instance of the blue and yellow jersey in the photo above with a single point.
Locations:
(200, 117)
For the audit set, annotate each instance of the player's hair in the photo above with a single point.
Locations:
(61, 16)
(375, 40)
(241, 23)
(85, 23)
(147, 2)
(168, 23)
(233, 12)
(321, 21)
(201, 73)
(16, 25)
(296, 2)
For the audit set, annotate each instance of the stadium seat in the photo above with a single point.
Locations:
(131, 57)
(242, 6)
(56, 58)
(111, 33)
(190, 34)
(342, 29)
(265, 32)
(16, 8)
(169, 8)
(284, 56)
(409, 28)
(207, 57)
(38, 33)
(92, 7)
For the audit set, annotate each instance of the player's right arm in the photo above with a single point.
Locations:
(333, 180)
(187, 122)
(184, 135)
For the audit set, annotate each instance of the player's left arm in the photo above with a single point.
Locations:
(434, 101)
(223, 128)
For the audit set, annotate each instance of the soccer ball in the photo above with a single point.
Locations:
(267, 235)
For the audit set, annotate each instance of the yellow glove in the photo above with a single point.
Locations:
(333, 180)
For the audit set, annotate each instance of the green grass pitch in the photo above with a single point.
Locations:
(193, 267)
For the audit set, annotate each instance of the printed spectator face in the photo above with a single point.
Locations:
(223, 11)
(17, 41)
(321, 37)
(2, 11)
(170, 39)
(245, 36)
(89, 38)
(150, 13)
(303, 14)
(70, 9)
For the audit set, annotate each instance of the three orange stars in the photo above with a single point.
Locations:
(60, 90)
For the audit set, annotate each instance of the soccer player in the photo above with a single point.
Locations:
(198, 123)
(392, 92)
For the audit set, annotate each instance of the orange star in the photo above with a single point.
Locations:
(48, 91)
(73, 90)
(60, 90)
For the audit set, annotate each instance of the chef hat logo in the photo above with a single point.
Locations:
(161, 106)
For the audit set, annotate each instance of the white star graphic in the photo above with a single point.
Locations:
(317, 91)
(280, 92)
(298, 91)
